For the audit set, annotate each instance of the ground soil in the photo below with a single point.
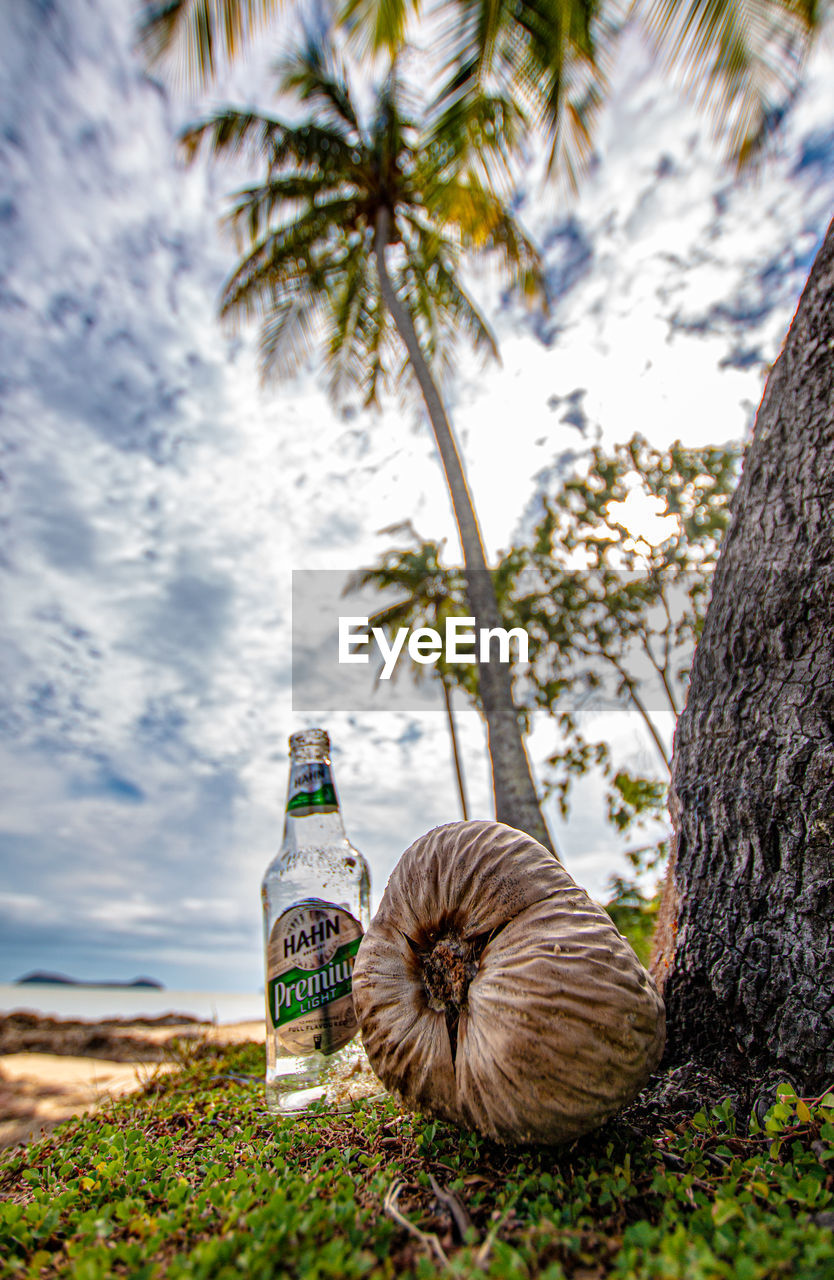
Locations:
(53, 1068)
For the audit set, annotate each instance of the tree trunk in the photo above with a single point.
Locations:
(746, 955)
(453, 734)
(516, 802)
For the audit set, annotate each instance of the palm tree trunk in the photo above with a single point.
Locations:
(516, 802)
(453, 734)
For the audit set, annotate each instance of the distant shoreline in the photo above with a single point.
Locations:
(42, 979)
(93, 1003)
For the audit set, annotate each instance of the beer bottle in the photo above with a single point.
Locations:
(316, 903)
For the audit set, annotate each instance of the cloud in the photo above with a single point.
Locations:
(570, 409)
(110, 785)
(816, 156)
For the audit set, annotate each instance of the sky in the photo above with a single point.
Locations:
(155, 498)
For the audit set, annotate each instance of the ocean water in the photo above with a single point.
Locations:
(131, 1002)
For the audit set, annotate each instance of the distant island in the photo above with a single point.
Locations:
(61, 980)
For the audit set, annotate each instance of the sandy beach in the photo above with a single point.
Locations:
(51, 1069)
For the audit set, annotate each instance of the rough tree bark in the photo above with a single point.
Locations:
(745, 952)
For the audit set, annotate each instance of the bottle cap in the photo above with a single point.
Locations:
(306, 739)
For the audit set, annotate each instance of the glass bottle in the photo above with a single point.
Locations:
(316, 903)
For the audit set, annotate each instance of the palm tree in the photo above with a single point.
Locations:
(353, 239)
(431, 593)
(551, 56)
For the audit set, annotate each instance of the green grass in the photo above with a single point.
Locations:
(192, 1178)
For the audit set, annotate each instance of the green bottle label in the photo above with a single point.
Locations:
(300, 991)
(311, 790)
(309, 977)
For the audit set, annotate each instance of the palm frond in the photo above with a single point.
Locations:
(545, 56)
(483, 132)
(324, 148)
(378, 25)
(464, 40)
(464, 313)
(314, 75)
(744, 59)
(491, 17)
(356, 330)
(429, 278)
(255, 208)
(231, 132)
(413, 285)
(283, 257)
(391, 125)
(406, 528)
(401, 614)
(296, 320)
(572, 139)
(288, 333)
(200, 34)
(321, 149)
(380, 354)
(483, 221)
(467, 206)
(458, 312)
(557, 56)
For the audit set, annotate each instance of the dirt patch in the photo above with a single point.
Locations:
(54, 1068)
(116, 1039)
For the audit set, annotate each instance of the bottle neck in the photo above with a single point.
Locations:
(312, 813)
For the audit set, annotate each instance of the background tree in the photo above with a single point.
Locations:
(613, 619)
(352, 241)
(429, 592)
(613, 613)
(746, 948)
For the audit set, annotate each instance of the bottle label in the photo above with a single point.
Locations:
(310, 957)
(311, 790)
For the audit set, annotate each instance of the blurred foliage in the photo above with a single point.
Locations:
(429, 592)
(634, 915)
(612, 587)
(552, 58)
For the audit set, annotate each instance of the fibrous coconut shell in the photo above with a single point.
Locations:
(493, 992)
